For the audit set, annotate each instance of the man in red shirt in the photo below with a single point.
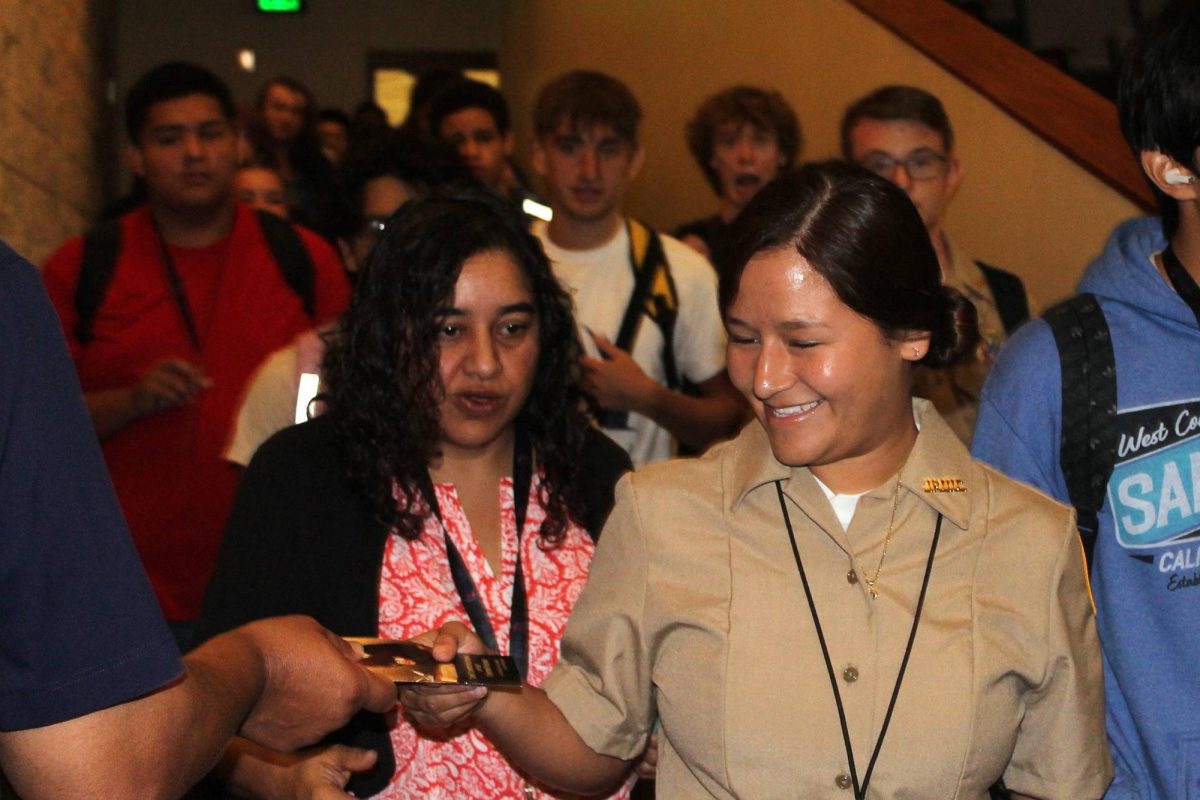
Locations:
(164, 344)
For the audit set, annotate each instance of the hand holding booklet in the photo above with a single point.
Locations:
(408, 662)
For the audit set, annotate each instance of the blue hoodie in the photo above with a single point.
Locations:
(1146, 571)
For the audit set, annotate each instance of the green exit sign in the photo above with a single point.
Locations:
(281, 5)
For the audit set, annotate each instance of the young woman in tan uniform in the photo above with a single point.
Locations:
(839, 602)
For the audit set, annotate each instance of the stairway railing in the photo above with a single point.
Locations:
(1076, 120)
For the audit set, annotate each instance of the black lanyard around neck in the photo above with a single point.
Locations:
(176, 284)
(860, 790)
(468, 592)
(1183, 283)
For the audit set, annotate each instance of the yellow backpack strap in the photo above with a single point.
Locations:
(653, 295)
(639, 242)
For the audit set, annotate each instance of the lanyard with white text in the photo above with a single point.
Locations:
(1184, 285)
(860, 791)
(468, 592)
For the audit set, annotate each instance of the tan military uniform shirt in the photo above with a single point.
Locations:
(695, 616)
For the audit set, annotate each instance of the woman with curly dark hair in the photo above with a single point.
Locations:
(839, 602)
(455, 473)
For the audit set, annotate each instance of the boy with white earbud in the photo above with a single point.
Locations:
(1134, 476)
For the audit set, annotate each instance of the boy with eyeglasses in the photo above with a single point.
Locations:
(902, 133)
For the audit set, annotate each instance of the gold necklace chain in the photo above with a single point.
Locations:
(886, 540)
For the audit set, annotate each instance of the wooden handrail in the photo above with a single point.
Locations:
(1076, 120)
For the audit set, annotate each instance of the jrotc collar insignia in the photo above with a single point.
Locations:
(944, 485)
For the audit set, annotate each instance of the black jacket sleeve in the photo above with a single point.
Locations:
(299, 542)
(604, 461)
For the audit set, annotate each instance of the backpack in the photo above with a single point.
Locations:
(1012, 304)
(102, 246)
(1088, 440)
(653, 296)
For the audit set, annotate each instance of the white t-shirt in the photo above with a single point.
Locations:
(601, 282)
(272, 399)
(844, 505)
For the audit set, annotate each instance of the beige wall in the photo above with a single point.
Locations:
(1021, 204)
(49, 122)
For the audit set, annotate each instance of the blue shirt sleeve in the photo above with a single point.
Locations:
(1020, 411)
(80, 629)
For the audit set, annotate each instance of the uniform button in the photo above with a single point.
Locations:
(851, 577)
(850, 674)
(843, 781)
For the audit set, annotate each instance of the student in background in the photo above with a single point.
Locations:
(1118, 439)
(262, 189)
(283, 134)
(473, 118)
(169, 309)
(741, 138)
(902, 133)
(644, 338)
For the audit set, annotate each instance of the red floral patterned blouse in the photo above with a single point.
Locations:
(416, 593)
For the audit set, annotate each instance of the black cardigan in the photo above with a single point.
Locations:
(301, 541)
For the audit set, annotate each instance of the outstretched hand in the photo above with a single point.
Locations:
(445, 706)
(523, 724)
(313, 683)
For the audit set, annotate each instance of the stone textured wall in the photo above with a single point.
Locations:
(51, 108)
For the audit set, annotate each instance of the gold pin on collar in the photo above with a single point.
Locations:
(944, 485)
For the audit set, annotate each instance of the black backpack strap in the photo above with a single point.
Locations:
(101, 246)
(289, 252)
(649, 264)
(653, 296)
(664, 314)
(642, 279)
(1009, 293)
(1088, 446)
(603, 462)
